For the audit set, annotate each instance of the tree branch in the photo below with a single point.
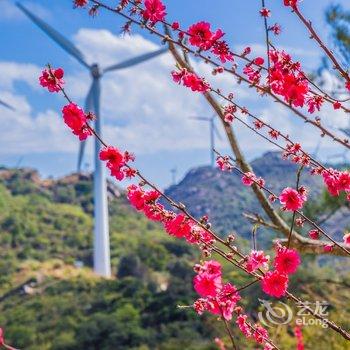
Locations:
(297, 241)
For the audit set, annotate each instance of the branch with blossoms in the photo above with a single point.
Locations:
(293, 4)
(293, 87)
(216, 297)
(287, 84)
(292, 200)
(221, 49)
(319, 97)
(303, 244)
(192, 81)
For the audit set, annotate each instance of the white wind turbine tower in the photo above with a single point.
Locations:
(213, 132)
(102, 264)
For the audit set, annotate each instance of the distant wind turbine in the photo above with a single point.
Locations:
(213, 132)
(101, 231)
(7, 105)
(317, 149)
(173, 175)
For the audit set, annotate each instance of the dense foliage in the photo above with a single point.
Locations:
(64, 306)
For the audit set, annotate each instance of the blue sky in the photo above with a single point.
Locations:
(142, 110)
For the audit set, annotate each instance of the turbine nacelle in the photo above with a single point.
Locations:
(95, 71)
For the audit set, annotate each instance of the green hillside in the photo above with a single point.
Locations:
(50, 299)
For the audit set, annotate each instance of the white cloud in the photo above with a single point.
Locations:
(23, 132)
(143, 110)
(12, 72)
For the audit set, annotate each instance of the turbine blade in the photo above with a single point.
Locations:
(82, 145)
(136, 60)
(6, 105)
(55, 35)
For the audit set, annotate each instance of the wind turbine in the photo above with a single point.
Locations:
(101, 230)
(213, 132)
(317, 149)
(6, 105)
(173, 175)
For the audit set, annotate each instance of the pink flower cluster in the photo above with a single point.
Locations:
(337, 181)
(76, 120)
(259, 333)
(256, 260)
(177, 225)
(201, 36)
(117, 162)
(286, 262)
(286, 79)
(249, 178)
(52, 79)
(223, 163)
(292, 199)
(154, 11)
(296, 154)
(190, 80)
(217, 297)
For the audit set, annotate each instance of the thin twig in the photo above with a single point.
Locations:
(313, 35)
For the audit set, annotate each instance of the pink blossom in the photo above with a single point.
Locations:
(287, 260)
(337, 105)
(52, 79)
(80, 3)
(291, 199)
(328, 248)
(75, 119)
(136, 197)
(264, 12)
(275, 284)
(260, 334)
(248, 178)
(314, 234)
(115, 161)
(336, 181)
(243, 325)
(206, 284)
(178, 227)
(299, 335)
(154, 11)
(257, 259)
